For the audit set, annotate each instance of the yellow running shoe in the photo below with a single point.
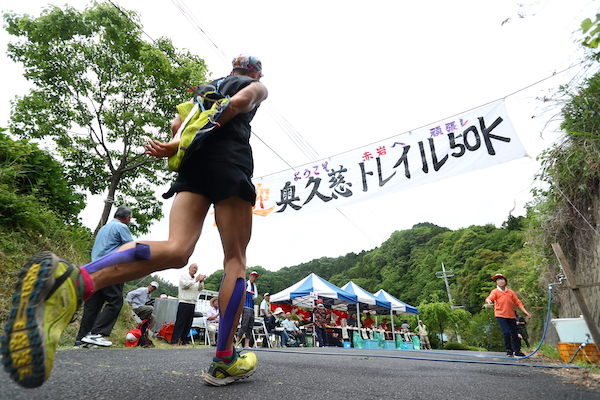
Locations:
(47, 296)
(242, 366)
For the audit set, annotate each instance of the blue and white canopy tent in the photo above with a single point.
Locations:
(398, 307)
(305, 292)
(367, 301)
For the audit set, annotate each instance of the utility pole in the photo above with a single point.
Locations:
(443, 274)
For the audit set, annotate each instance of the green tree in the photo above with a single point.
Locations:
(28, 174)
(100, 92)
(485, 332)
(441, 318)
(437, 316)
(592, 31)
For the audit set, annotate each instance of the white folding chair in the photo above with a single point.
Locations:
(198, 314)
(259, 329)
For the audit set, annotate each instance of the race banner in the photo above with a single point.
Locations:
(470, 141)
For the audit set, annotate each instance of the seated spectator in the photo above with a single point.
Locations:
(140, 302)
(368, 322)
(383, 324)
(212, 318)
(273, 325)
(351, 320)
(405, 330)
(292, 329)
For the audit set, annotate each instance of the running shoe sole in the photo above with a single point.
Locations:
(211, 380)
(42, 307)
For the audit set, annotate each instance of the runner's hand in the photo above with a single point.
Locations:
(158, 149)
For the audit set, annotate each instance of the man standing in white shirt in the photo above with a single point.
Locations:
(189, 286)
(424, 336)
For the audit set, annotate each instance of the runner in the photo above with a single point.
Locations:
(51, 290)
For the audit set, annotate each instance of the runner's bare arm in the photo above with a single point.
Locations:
(244, 101)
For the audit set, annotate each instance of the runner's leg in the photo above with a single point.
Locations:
(185, 223)
(234, 221)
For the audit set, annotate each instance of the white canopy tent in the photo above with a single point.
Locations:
(398, 307)
(305, 292)
(367, 301)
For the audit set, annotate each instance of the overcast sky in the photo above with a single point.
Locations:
(343, 74)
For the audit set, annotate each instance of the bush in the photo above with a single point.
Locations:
(72, 243)
(485, 332)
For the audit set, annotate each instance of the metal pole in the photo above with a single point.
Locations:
(393, 330)
(445, 275)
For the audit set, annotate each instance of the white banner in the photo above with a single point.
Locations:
(471, 141)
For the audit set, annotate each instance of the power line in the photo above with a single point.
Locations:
(189, 15)
(287, 128)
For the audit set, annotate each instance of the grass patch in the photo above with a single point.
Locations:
(461, 346)
(550, 351)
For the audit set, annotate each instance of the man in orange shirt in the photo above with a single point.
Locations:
(504, 301)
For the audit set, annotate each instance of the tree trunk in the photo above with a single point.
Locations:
(108, 203)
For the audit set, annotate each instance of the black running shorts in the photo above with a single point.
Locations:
(217, 180)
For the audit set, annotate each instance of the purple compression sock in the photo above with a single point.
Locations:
(227, 319)
(139, 252)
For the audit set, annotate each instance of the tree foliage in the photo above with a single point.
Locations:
(37, 212)
(565, 209)
(31, 178)
(484, 331)
(592, 31)
(440, 317)
(100, 92)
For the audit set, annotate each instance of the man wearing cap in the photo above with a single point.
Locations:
(217, 173)
(189, 286)
(212, 318)
(138, 299)
(247, 323)
(319, 320)
(265, 306)
(245, 331)
(504, 301)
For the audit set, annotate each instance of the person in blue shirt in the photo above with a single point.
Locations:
(101, 310)
(247, 323)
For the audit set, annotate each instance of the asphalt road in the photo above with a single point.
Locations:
(309, 373)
